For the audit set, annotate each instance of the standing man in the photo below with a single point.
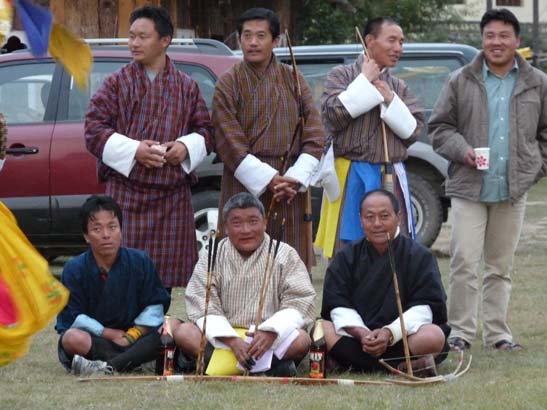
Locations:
(255, 113)
(150, 128)
(496, 101)
(357, 98)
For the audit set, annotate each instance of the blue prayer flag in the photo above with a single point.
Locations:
(37, 22)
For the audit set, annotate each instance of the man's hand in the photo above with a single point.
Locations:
(370, 69)
(376, 342)
(384, 89)
(241, 351)
(113, 334)
(283, 188)
(261, 343)
(469, 158)
(176, 152)
(150, 154)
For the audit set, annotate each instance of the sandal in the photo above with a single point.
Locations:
(457, 344)
(508, 346)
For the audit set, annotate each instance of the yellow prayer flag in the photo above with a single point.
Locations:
(73, 53)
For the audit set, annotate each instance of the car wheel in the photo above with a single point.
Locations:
(426, 209)
(205, 206)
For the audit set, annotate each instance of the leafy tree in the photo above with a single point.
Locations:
(330, 21)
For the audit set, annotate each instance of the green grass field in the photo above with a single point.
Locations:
(496, 380)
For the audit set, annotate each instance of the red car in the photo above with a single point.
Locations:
(48, 171)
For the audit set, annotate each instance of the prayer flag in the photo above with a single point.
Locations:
(37, 22)
(73, 53)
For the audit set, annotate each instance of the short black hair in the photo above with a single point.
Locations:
(500, 15)
(259, 13)
(392, 198)
(160, 17)
(96, 203)
(373, 26)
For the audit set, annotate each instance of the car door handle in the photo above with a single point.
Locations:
(22, 151)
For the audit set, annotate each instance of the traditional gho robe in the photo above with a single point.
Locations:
(358, 288)
(255, 116)
(289, 302)
(130, 294)
(157, 211)
(352, 111)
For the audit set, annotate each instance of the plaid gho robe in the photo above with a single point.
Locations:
(158, 215)
(257, 113)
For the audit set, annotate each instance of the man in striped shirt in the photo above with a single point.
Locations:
(280, 338)
(357, 98)
(149, 127)
(255, 114)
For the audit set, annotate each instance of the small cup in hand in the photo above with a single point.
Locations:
(482, 158)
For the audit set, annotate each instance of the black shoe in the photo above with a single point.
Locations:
(285, 368)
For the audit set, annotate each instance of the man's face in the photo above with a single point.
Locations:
(145, 43)
(104, 234)
(257, 43)
(378, 219)
(386, 48)
(500, 44)
(245, 229)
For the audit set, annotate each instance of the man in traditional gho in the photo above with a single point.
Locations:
(280, 339)
(357, 98)
(359, 303)
(117, 301)
(149, 127)
(255, 113)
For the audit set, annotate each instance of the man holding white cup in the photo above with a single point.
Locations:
(495, 107)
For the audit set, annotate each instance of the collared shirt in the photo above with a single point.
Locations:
(495, 186)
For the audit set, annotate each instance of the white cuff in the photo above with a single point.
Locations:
(151, 316)
(360, 96)
(283, 323)
(398, 117)
(1, 163)
(217, 326)
(119, 153)
(302, 170)
(414, 318)
(254, 174)
(345, 317)
(197, 151)
(88, 324)
(325, 176)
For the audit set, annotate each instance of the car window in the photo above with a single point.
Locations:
(206, 81)
(78, 100)
(24, 92)
(425, 76)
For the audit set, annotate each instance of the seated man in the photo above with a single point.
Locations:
(359, 303)
(117, 301)
(237, 279)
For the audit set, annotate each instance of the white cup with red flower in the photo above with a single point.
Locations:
(482, 158)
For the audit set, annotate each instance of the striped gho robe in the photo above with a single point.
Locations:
(158, 215)
(255, 116)
(237, 280)
(352, 112)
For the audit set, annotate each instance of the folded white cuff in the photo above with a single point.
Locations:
(254, 174)
(283, 323)
(346, 317)
(217, 326)
(414, 318)
(325, 175)
(360, 96)
(303, 170)
(119, 153)
(197, 151)
(151, 316)
(398, 117)
(88, 324)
